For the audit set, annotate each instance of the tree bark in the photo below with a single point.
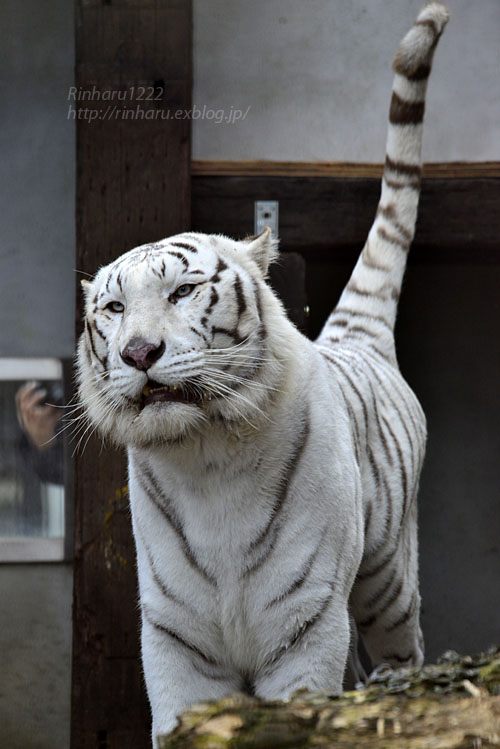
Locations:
(454, 704)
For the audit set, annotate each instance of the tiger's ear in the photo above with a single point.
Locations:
(263, 249)
(86, 286)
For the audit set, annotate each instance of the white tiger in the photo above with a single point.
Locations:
(273, 480)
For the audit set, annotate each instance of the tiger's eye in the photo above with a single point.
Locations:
(185, 289)
(115, 306)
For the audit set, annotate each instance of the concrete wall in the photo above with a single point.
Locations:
(35, 642)
(37, 282)
(37, 174)
(316, 76)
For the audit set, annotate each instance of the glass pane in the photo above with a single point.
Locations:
(31, 453)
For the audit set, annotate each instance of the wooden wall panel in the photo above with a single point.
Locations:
(133, 71)
(328, 218)
(288, 279)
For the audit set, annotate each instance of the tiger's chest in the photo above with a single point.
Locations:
(229, 542)
(196, 538)
(207, 515)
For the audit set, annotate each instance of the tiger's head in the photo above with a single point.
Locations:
(177, 335)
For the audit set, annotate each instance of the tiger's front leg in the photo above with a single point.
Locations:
(178, 674)
(314, 659)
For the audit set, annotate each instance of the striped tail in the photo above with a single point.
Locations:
(368, 305)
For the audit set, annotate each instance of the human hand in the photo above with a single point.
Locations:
(37, 419)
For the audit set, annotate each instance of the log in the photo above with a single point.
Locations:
(453, 704)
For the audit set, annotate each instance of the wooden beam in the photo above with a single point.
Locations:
(133, 73)
(345, 170)
(328, 218)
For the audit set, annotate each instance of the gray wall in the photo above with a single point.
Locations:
(37, 282)
(317, 78)
(35, 643)
(37, 235)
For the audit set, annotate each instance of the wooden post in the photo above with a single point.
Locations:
(133, 73)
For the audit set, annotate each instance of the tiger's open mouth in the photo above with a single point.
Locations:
(154, 392)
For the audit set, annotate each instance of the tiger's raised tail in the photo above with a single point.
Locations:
(368, 305)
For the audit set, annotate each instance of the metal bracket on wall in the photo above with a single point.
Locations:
(265, 214)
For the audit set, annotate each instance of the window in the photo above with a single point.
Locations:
(32, 473)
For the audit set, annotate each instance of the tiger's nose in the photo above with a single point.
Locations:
(142, 354)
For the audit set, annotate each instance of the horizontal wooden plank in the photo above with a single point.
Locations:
(328, 218)
(434, 170)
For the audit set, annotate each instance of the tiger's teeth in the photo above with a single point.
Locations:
(147, 390)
